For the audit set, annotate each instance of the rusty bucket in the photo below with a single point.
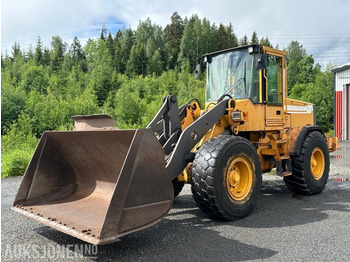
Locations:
(96, 185)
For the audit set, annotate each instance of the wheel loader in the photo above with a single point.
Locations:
(98, 183)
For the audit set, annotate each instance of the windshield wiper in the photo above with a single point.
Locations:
(235, 85)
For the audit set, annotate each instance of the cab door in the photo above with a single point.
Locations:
(273, 75)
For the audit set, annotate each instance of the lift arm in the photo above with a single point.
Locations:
(177, 143)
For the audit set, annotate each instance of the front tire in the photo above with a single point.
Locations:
(226, 177)
(310, 170)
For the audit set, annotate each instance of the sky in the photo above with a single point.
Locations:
(321, 26)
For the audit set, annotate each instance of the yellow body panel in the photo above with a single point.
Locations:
(273, 126)
(300, 113)
(263, 117)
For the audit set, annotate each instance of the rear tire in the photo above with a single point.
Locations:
(310, 169)
(226, 177)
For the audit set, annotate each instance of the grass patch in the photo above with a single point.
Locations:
(15, 162)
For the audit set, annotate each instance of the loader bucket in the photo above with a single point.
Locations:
(96, 185)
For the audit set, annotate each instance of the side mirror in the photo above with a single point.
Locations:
(196, 71)
(262, 61)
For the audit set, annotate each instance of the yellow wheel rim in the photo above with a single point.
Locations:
(239, 178)
(317, 163)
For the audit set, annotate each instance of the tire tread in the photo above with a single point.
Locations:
(298, 182)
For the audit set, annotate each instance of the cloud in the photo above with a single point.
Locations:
(320, 26)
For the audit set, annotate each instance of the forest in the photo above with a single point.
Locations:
(126, 75)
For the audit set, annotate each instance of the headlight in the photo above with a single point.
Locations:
(236, 115)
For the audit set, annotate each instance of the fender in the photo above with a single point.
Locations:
(301, 137)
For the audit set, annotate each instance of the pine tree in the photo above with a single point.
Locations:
(16, 50)
(154, 65)
(231, 37)
(226, 37)
(57, 52)
(221, 37)
(295, 53)
(30, 53)
(46, 59)
(190, 43)
(208, 37)
(138, 60)
(244, 41)
(77, 55)
(254, 39)
(2, 61)
(118, 63)
(173, 34)
(265, 42)
(38, 52)
(75, 51)
(111, 48)
(126, 46)
(103, 31)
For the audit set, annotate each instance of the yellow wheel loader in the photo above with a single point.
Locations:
(98, 183)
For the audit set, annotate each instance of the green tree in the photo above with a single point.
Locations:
(173, 35)
(102, 78)
(103, 34)
(46, 57)
(320, 92)
(295, 53)
(209, 41)
(231, 37)
(138, 60)
(118, 58)
(91, 51)
(30, 53)
(58, 49)
(128, 111)
(17, 147)
(12, 103)
(226, 37)
(111, 49)
(126, 46)
(266, 42)
(190, 43)
(2, 61)
(254, 39)
(35, 79)
(38, 55)
(15, 67)
(244, 41)
(151, 37)
(307, 70)
(77, 55)
(154, 65)
(16, 50)
(145, 30)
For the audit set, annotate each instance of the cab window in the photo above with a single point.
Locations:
(274, 78)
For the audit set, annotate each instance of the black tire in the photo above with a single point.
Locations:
(310, 177)
(211, 182)
(177, 186)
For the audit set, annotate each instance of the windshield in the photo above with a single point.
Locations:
(232, 73)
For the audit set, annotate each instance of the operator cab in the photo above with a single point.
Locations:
(248, 72)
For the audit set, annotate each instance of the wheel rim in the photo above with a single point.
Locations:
(317, 163)
(239, 178)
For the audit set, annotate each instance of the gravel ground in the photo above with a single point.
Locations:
(340, 162)
(282, 227)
